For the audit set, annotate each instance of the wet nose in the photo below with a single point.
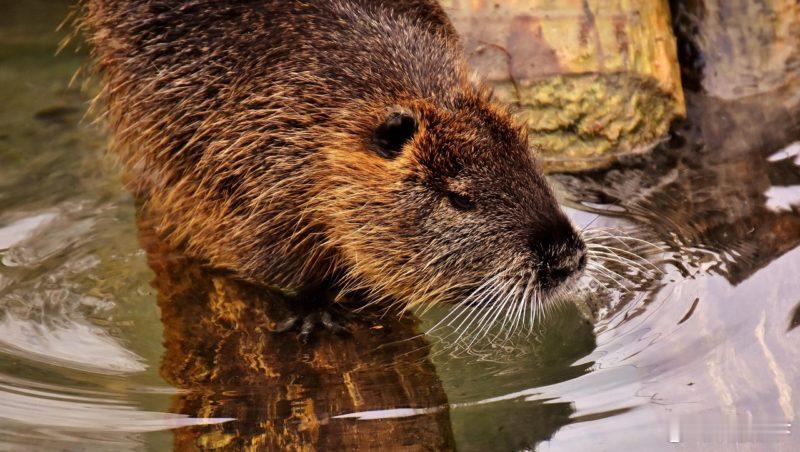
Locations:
(559, 252)
(557, 248)
(557, 269)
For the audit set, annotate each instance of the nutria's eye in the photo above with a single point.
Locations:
(460, 202)
(395, 131)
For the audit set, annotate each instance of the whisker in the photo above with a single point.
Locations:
(604, 233)
(488, 319)
(615, 249)
(510, 313)
(533, 309)
(485, 299)
(474, 309)
(586, 226)
(609, 274)
(465, 303)
(518, 314)
(621, 260)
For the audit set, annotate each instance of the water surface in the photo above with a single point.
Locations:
(108, 340)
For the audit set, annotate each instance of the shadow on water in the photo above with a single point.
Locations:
(487, 411)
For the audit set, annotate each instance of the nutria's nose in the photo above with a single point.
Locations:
(557, 269)
(559, 254)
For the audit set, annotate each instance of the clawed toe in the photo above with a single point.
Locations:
(327, 321)
(286, 325)
(308, 324)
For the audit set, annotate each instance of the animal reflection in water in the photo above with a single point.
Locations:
(280, 393)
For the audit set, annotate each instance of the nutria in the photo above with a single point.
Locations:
(334, 143)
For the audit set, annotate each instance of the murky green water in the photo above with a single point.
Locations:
(104, 345)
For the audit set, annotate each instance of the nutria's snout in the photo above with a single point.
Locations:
(560, 257)
(569, 266)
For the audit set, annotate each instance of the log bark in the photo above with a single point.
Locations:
(591, 79)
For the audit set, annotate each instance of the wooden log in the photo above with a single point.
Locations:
(593, 80)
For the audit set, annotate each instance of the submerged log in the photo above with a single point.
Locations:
(276, 392)
(592, 80)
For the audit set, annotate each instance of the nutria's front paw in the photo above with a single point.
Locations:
(307, 324)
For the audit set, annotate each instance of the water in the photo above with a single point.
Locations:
(110, 341)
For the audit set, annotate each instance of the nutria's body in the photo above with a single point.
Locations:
(298, 143)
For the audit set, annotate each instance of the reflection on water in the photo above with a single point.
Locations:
(108, 341)
(276, 391)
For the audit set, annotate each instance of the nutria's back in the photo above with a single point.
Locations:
(294, 142)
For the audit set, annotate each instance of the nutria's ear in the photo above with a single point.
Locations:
(394, 132)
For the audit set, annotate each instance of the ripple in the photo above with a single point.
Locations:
(40, 413)
(67, 343)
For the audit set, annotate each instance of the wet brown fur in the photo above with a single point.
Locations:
(248, 125)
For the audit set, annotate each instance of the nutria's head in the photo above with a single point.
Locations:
(438, 204)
